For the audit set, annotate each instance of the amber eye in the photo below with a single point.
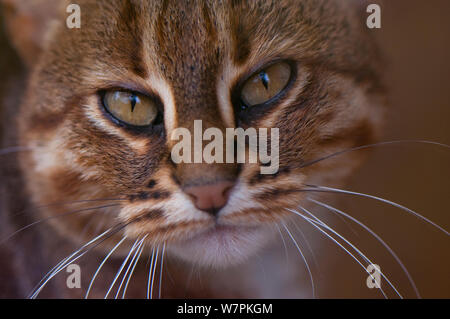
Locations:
(131, 108)
(264, 85)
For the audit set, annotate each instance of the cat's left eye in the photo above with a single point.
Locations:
(131, 108)
(265, 84)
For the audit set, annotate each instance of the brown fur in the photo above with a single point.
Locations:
(192, 49)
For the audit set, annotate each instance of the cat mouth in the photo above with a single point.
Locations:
(221, 232)
(221, 245)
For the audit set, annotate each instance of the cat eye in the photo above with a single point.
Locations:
(131, 108)
(265, 84)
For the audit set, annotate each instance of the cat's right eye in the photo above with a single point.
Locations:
(266, 84)
(131, 108)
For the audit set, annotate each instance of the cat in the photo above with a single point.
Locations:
(99, 178)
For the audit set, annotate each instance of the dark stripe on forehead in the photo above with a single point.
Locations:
(189, 51)
(129, 37)
(186, 37)
(240, 38)
(210, 25)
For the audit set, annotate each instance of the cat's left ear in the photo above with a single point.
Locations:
(29, 22)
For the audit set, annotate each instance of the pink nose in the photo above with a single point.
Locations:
(210, 198)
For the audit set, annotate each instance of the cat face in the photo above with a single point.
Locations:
(304, 67)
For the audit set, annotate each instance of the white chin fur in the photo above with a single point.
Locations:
(223, 247)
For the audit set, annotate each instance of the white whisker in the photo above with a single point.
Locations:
(161, 270)
(15, 149)
(130, 264)
(314, 224)
(101, 265)
(336, 190)
(351, 245)
(304, 259)
(357, 148)
(284, 243)
(153, 272)
(121, 267)
(316, 220)
(377, 237)
(83, 210)
(311, 251)
(63, 263)
(140, 249)
(150, 273)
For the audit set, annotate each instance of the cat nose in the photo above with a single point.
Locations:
(212, 197)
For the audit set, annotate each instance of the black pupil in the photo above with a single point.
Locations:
(133, 100)
(264, 79)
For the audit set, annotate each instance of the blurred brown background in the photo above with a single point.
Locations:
(415, 39)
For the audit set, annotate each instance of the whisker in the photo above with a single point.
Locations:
(161, 270)
(352, 246)
(121, 268)
(150, 272)
(130, 264)
(345, 223)
(371, 146)
(153, 272)
(140, 249)
(61, 265)
(336, 190)
(70, 203)
(81, 201)
(90, 209)
(95, 224)
(391, 251)
(311, 251)
(101, 265)
(15, 149)
(314, 224)
(284, 243)
(304, 259)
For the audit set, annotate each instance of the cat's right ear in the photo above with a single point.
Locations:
(29, 23)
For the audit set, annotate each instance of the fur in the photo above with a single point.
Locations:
(191, 55)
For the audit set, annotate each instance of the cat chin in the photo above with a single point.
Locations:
(222, 246)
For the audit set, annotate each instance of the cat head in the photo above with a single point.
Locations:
(104, 100)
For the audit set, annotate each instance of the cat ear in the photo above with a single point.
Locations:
(28, 23)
